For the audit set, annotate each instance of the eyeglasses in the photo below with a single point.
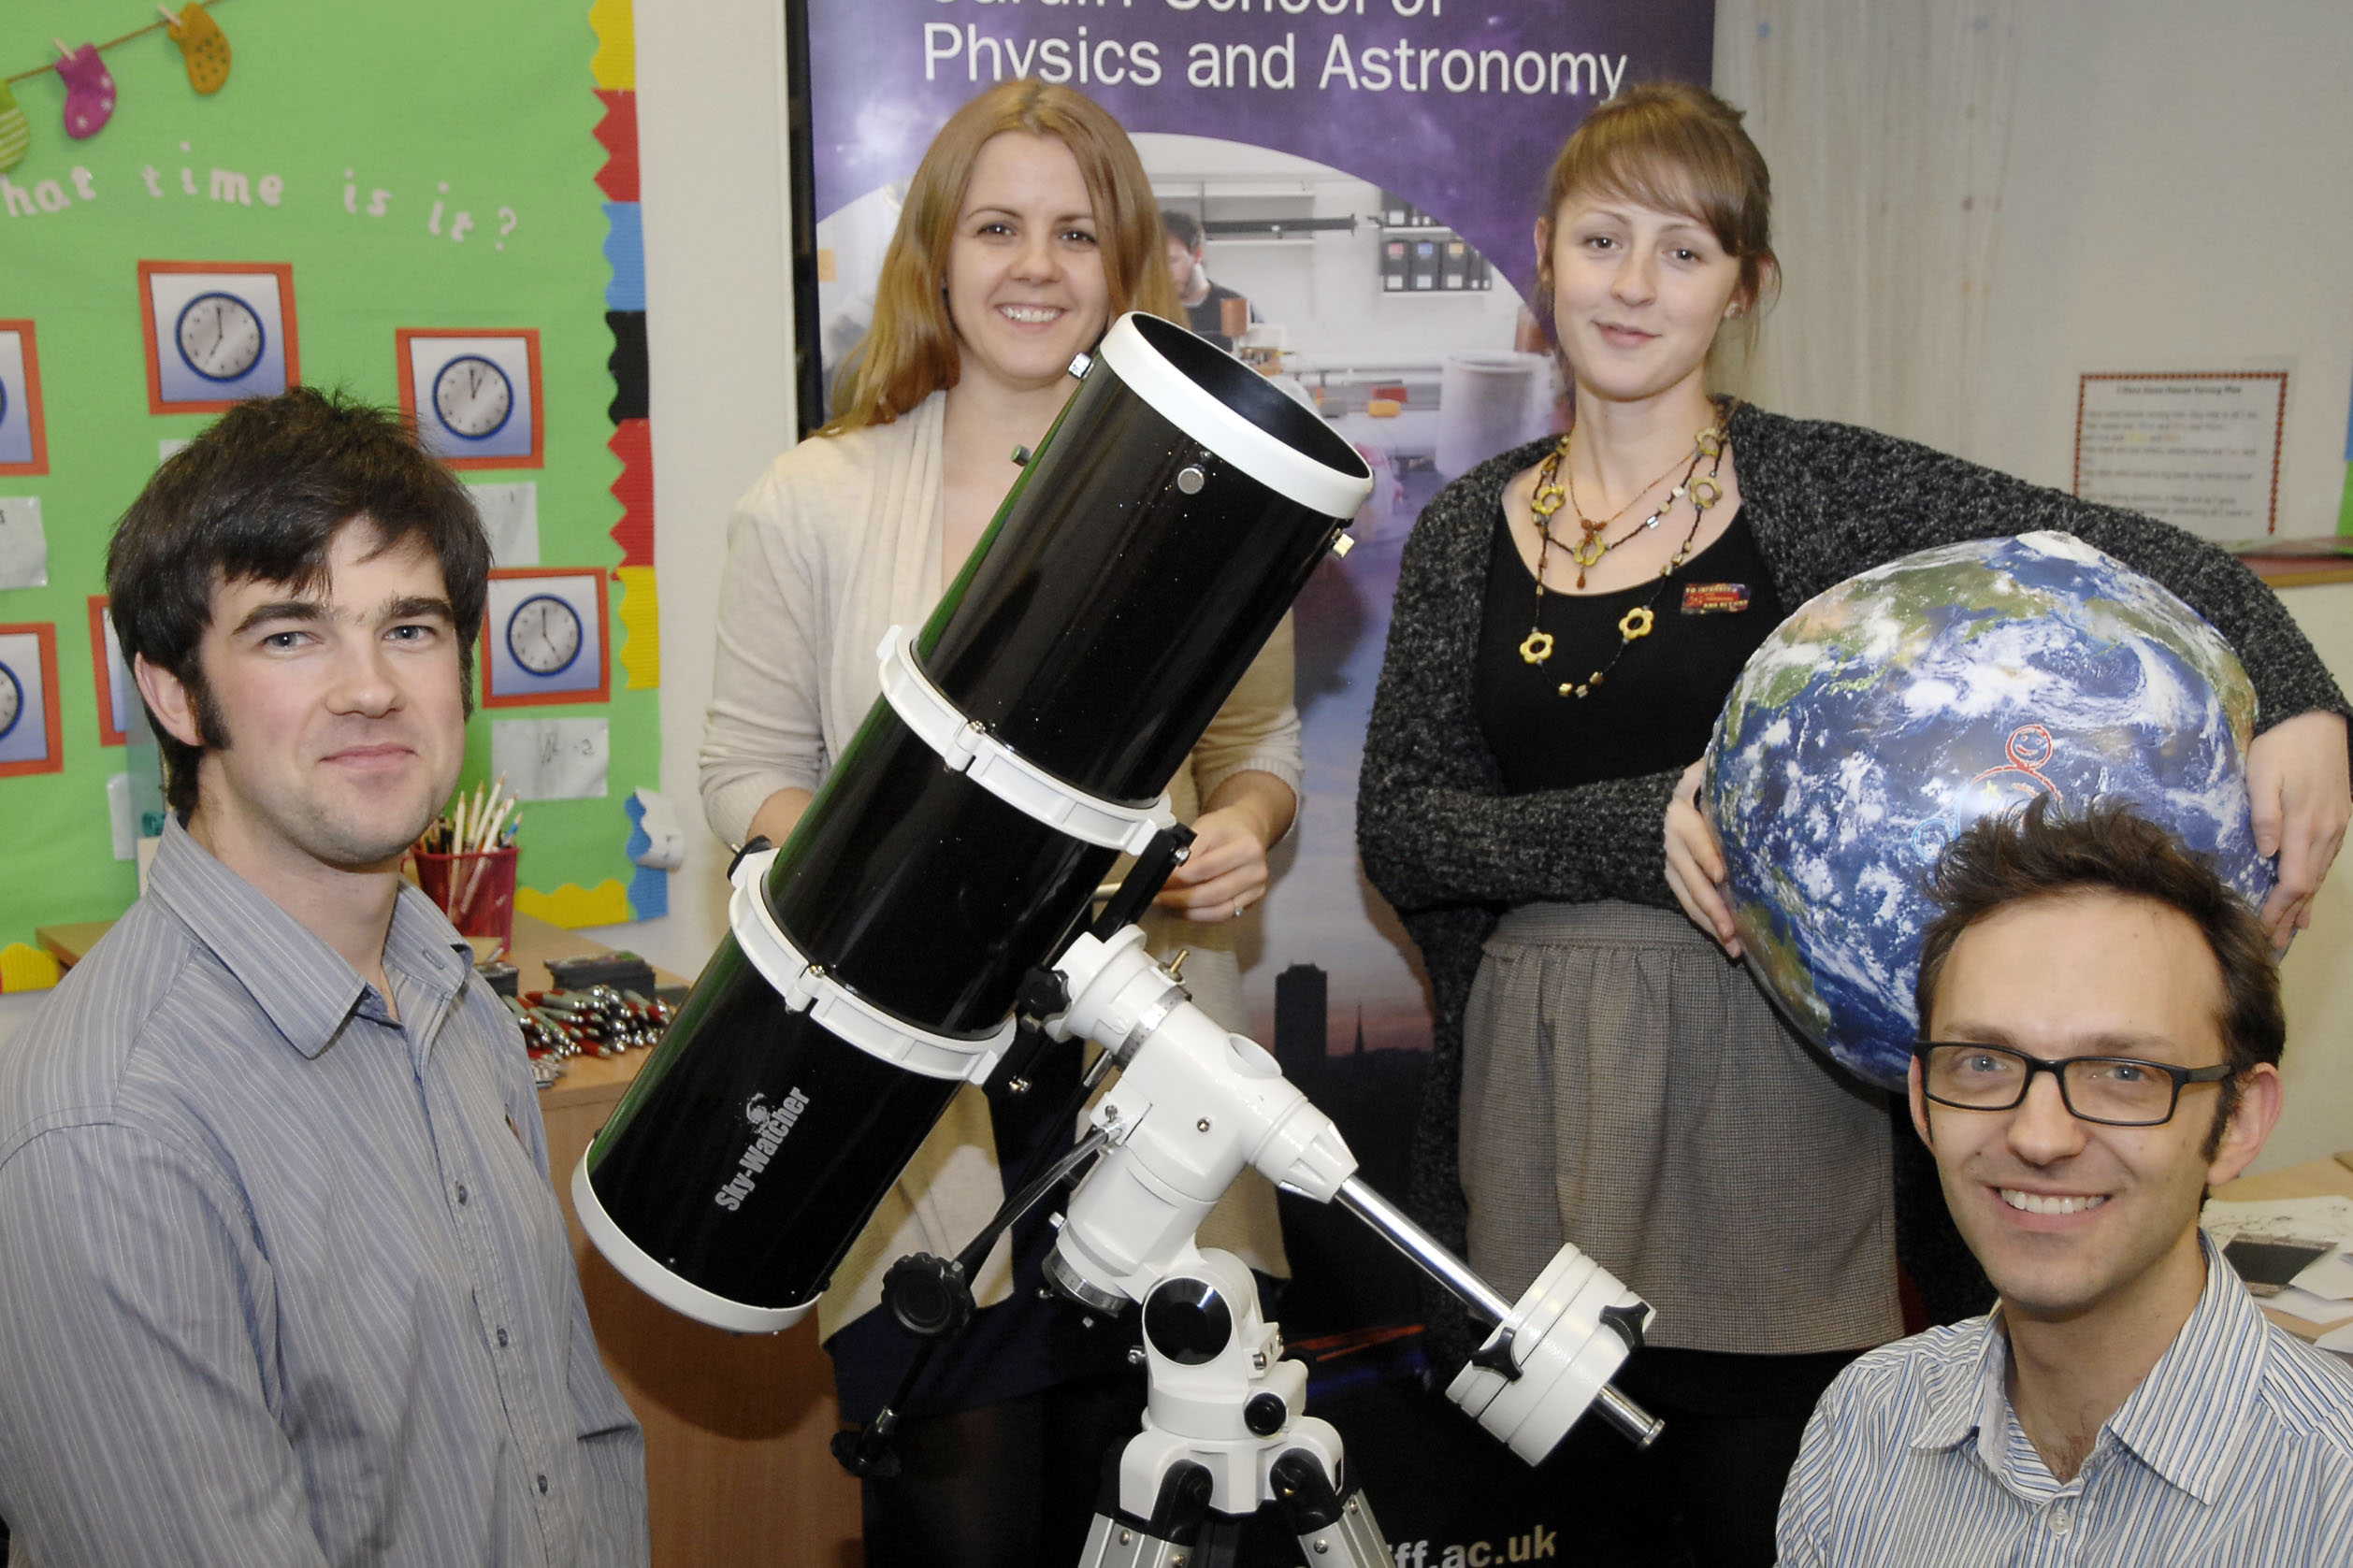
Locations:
(2114, 1091)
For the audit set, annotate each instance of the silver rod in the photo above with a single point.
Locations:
(1637, 1425)
(1424, 1248)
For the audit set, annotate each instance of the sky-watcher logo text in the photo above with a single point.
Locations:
(773, 1123)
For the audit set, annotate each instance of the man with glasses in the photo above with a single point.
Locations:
(2102, 1027)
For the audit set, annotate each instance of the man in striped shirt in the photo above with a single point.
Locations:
(2101, 1025)
(281, 1277)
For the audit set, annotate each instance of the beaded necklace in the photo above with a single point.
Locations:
(1590, 545)
(1637, 622)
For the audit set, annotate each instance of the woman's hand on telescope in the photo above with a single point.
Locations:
(1226, 872)
(1694, 864)
(2297, 773)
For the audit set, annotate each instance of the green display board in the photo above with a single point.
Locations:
(420, 169)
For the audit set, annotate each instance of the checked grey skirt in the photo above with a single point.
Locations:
(1627, 1088)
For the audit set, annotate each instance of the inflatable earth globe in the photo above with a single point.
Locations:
(1889, 713)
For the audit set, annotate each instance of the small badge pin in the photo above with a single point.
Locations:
(1715, 598)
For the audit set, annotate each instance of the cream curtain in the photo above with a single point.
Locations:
(1886, 126)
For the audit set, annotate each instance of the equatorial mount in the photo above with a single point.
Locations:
(1226, 1433)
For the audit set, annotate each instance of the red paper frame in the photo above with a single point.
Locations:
(2279, 418)
(602, 692)
(39, 464)
(107, 734)
(46, 633)
(402, 336)
(284, 271)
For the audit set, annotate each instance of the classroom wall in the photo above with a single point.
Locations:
(711, 134)
(2178, 198)
(355, 199)
(710, 145)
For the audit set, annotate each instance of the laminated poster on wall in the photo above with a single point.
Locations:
(2199, 449)
(511, 516)
(1311, 143)
(551, 760)
(24, 545)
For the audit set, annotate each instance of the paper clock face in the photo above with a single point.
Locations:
(543, 640)
(473, 396)
(23, 442)
(119, 704)
(29, 727)
(216, 333)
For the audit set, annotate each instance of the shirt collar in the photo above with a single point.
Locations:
(1963, 1388)
(2185, 1419)
(304, 986)
(2190, 1414)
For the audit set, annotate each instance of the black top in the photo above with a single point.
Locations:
(1657, 710)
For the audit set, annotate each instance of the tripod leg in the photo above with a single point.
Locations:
(1183, 1531)
(1332, 1525)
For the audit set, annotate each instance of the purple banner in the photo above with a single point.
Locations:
(1338, 152)
(1458, 110)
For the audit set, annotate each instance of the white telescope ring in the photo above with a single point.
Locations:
(678, 1294)
(1182, 401)
(966, 747)
(807, 989)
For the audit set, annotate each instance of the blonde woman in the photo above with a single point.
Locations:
(1027, 229)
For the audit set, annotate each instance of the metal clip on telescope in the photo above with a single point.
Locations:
(874, 961)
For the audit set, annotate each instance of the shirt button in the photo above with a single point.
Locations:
(543, 1483)
(502, 1339)
(2062, 1521)
(461, 1194)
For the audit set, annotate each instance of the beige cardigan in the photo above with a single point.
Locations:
(840, 539)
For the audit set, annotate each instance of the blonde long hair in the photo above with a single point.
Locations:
(910, 351)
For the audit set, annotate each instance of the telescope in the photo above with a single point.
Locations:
(940, 890)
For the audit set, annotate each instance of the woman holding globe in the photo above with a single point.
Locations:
(1569, 619)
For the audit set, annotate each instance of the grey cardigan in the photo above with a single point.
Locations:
(1450, 850)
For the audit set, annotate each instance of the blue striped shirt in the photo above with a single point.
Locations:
(2237, 1448)
(282, 1280)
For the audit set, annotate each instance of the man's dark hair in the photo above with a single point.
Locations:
(1183, 227)
(260, 496)
(2110, 847)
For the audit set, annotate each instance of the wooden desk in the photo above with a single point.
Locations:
(736, 1426)
(71, 940)
(2313, 1178)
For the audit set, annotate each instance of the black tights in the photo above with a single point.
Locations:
(1010, 1485)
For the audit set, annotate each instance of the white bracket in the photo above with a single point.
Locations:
(807, 989)
(966, 747)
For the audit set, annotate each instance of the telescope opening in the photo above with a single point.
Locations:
(1248, 393)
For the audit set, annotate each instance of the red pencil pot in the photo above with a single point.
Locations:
(475, 890)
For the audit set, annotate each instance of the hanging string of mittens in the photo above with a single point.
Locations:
(90, 89)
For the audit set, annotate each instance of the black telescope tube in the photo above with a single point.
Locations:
(1139, 563)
